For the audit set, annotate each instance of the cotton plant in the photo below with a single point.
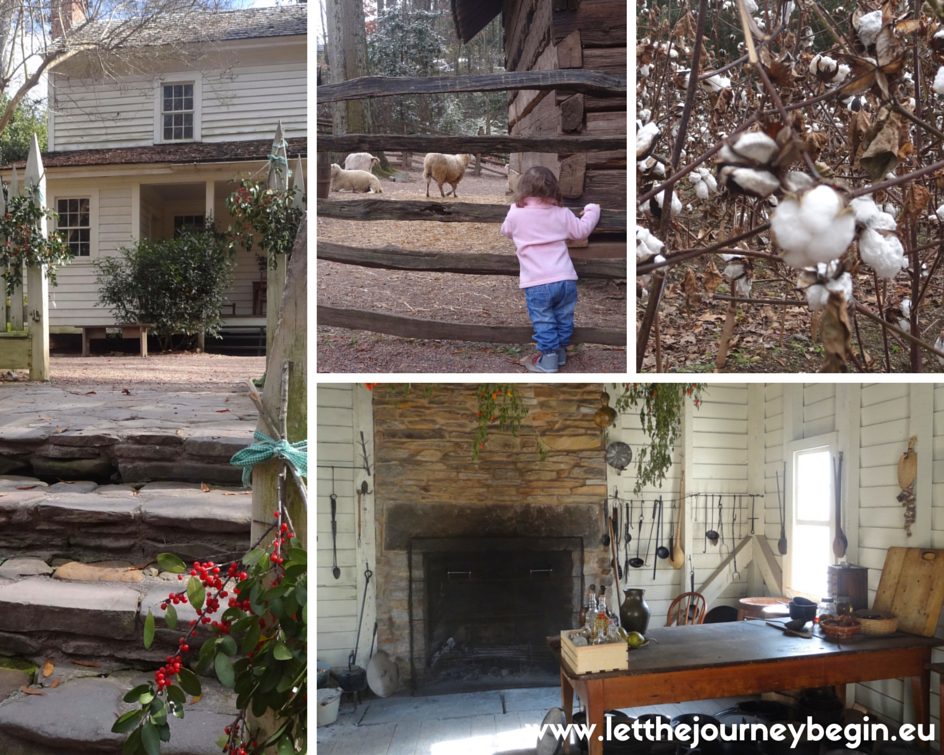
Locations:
(704, 183)
(648, 248)
(879, 247)
(869, 26)
(814, 227)
(818, 283)
(828, 70)
(646, 135)
(741, 275)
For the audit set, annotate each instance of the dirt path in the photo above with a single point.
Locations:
(485, 300)
(186, 371)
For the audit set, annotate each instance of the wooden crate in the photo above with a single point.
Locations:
(594, 658)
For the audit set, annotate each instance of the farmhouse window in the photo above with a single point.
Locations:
(75, 225)
(177, 112)
(188, 224)
(810, 518)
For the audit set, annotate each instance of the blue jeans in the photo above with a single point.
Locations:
(551, 309)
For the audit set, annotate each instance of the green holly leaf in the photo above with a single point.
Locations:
(151, 739)
(190, 682)
(224, 670)
(132, 744)
(196, 593)
(286, 746)
(251, 639)
(148, 630)
(170, 563)
(134, 694)
(170, 616)
(281, 652)
(128, 721)
(252, 558)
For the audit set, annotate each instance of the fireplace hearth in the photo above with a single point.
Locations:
(489, 603)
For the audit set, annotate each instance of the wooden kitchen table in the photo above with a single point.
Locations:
(708, 661)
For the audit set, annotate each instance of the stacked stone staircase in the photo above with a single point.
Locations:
(84, 511)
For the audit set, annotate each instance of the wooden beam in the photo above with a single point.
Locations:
(495, 145)
(15, 350)
(365, 87)
(723, 576)
(413, 327)
(450, 262)
(444, 212)
(767, 563)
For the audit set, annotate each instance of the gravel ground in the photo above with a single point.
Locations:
(484, 300)
(166, 372)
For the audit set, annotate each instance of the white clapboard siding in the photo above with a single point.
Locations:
(718, 441)
(343, 412)
(77, 293)
(241, 102)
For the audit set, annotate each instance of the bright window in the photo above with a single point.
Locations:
(188, 224)
(177, 112)
(810, 519)
(75, 225)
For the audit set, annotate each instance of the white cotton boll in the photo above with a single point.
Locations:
(644, 114)
(646, 243)
(755, 183)
(940, 213)
(717, 83)
(866, 211)
(752, 147)
(750, 6)
(939, 345)
(645, 137)
(733, 270)
(658, 169)
(869, 26)
(938, 85)
(891, 210)
(823, 64)
(789, 9)
(843, 285)
(743, 286)
(701, 190)
(904, 324)
(673, 53)
(884, 254)
(644, 70)
(906, 307)
(729, 257)
(816, 296)
(814, 228)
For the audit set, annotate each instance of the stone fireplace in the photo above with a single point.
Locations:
(479, 561)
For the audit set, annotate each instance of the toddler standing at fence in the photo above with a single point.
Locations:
(540, 226)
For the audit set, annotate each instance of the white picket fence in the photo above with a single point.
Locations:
(24, 327)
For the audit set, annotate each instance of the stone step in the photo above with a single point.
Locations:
(76, 716)
(44, 615)
(88, 522)
(143, 436)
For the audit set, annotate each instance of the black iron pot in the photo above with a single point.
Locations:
(802, 611)
(350, 679)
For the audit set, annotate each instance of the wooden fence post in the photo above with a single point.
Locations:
(16, 308)
(275, 285)
(38, 320)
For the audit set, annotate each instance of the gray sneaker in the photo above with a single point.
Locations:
(542, 363)
(562, 356)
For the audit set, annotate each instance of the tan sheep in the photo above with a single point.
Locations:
(361, 161)
(445, 169)
(353, 180)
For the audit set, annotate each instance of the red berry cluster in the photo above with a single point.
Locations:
(237, 748)
(163, 675)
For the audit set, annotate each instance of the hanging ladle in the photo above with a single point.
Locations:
(712, 535)
(662, 552)
(335, 570)
(637, 562)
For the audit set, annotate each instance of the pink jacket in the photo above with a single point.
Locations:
(540, 231)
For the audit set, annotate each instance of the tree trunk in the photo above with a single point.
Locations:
(347, 37)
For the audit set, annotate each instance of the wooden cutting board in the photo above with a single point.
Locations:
(912, 588)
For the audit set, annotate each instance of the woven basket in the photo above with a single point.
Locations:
(839, 632)
(883, 625)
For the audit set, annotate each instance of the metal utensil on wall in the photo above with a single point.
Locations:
(712, 535)
(637, 562)
(661, 551)
(782, 506)
(840, 543)
(617, 535)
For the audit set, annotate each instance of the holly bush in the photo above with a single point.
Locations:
(257, 646)
(265, 214)
(25, 246)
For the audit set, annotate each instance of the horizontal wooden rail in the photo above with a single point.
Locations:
(421, 143)
(466, 263)
(446, 212)
(589, 82)
(413, 327)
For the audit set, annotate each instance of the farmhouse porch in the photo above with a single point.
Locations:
(475, 566)
(112, 197)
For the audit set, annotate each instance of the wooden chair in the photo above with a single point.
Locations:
(679, 610)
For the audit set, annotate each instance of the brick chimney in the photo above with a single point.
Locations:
(66, 14)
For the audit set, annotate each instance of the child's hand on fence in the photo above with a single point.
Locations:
(588, 207)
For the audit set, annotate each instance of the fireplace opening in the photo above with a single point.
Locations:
(490, 604)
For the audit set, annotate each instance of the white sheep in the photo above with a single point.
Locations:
(361, 161)
(353, 180)
(445, 169)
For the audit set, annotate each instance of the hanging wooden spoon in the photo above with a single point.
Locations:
(839, 542)
(782, 542)
(908, 465)
(677, 559)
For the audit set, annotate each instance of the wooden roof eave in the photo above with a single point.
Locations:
(471, 16)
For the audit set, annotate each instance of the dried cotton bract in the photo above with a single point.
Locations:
(814, 227)
(826, 69)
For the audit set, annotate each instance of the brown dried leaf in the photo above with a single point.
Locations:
(917, 199)
(690, 287)
(685, 27)
(858, 128)
(87, 664)
(29, 691)
(55, 683)
(48, 668)
(881, 145)
(835, 333)
(205, 488)
(712, 278)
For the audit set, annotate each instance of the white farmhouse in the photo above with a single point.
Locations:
(148, 144)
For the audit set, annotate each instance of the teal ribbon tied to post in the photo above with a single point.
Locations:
(265, 448)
